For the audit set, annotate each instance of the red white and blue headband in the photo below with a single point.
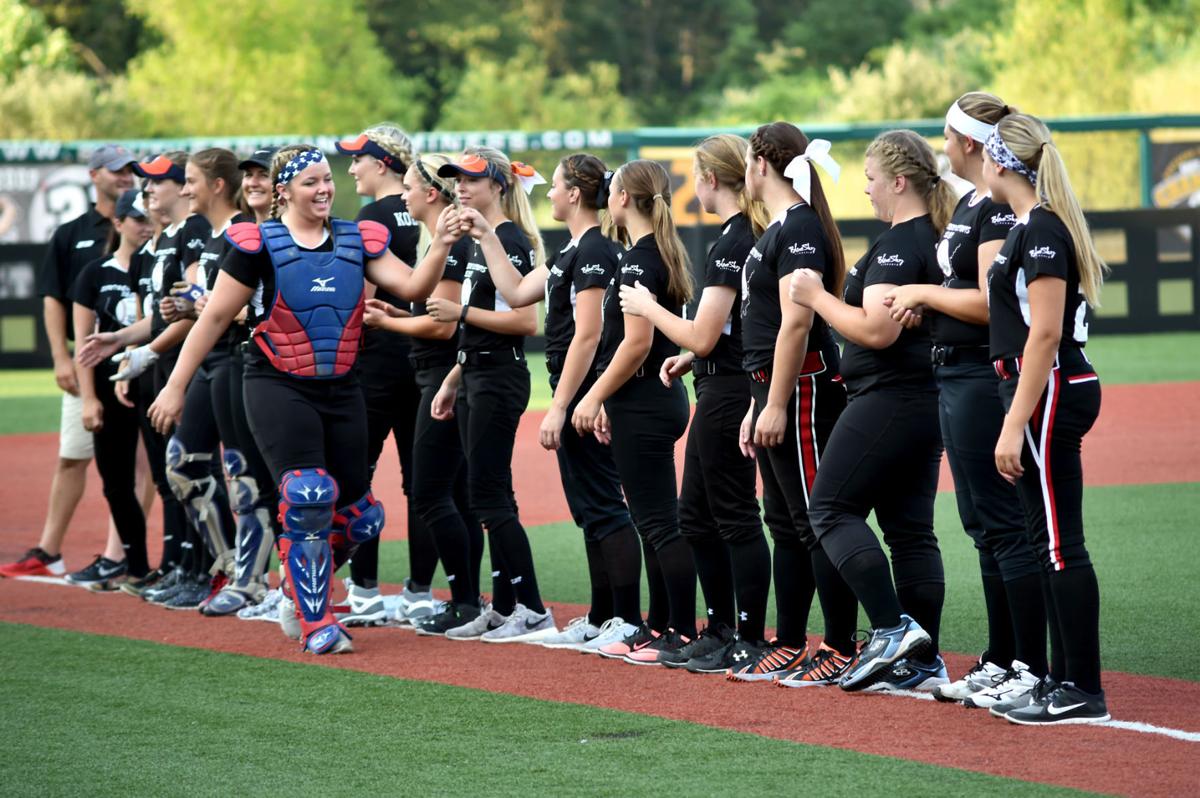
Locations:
(999, 152)
(300, 161)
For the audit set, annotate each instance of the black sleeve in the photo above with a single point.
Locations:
(84, 290)
(637, 268)
(995, 222)
(54, 267)
(1047, 249)
(897, 261)
(247, 269)
(725, 261)
(800, 245)
(456, 261)
(595, 264)
(520, 254)
(196, 231)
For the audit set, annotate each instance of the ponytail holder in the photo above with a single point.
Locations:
(658, 196)
(527, 176)
(798, 170)
(604, 190)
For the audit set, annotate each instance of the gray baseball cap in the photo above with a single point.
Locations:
(111, 156)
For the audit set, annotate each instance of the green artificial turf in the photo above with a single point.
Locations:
(85, 714)
(1142, 539)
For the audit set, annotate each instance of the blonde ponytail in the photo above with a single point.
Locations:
(724, 157)
(649, 187)
(1029, 139)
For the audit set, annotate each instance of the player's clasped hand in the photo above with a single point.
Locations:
(96, 347)
(1008, 453)
(805, 287)
(636, 298)
(376, 310)
(167, 409)
(440, 309)
(902, 300)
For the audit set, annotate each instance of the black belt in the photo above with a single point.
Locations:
(499, 358)
(711, 368)
(949, 355)
(431, 362)
(555, 363)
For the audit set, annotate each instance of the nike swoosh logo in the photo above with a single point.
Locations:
(529, 627)
(1053, 710)
(107, 572)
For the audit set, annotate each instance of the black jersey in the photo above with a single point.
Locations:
(433, 351)
(178, 247)
(590, 262)
(380, 347)
(141, 276)
(643, 264)
(74, 245)
(794, 240)
(1038, 246)
(903, 255)
(104, 287)
(977, 220)
(479, 291)
(723, 268)
(216, 248)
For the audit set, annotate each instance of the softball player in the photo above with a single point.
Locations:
(1040, 285)
(718, 508)
(884, 451)
(644, 417)
(971, 414)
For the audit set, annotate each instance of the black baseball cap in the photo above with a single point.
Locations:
(261, 157)
(130, 204)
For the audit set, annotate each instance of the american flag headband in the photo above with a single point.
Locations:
(298, 164)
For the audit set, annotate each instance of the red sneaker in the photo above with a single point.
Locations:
(35, 562)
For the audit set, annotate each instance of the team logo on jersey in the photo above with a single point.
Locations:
(404, 219)
(889, 260)
(802, 249)
(728, 265)
(195, 243)
(633, 268)
(451, 260)
(1042, 252)
(592, 268)
(755, 254)
(515, 260)
(1001, 259)
(1004, 219)
(321, 286)
(961, 228)
(557, 272)
(84, 244)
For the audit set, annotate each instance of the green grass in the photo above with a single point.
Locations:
(121, 717)
(1143, 543)
(1165, 357)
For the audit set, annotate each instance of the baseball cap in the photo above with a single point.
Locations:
(261, 157)
(364, 146)
(473, 165)
(112, 157)
(161, 168)
(130, 204)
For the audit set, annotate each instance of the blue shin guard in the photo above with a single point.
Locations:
(254, 537)
(354, 525)
(194, 486)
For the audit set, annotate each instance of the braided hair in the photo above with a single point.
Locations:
(903, 153)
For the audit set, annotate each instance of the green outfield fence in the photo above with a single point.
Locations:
(1154, 250)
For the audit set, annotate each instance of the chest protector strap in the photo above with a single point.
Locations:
(315, 325)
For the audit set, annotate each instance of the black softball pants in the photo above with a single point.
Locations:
(1051, 491)
(647, 419)
(439, 490)
(971, 416)
(175, 523)
(718, 508)
(789, 471)
(115, 446)
(883, 455)
(496, 396)
(392, 399)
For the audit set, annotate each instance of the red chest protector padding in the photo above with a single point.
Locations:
(315, 325)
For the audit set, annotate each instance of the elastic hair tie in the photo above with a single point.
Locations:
(658, 196)
(605, 188)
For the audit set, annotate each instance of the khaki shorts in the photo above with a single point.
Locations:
(74, 442)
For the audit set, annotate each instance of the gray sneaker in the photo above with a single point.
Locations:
(523, 626)
(366, 606)
(413, 605)
(265, 610)
(288, 621)
(578, 632)
(488, 620)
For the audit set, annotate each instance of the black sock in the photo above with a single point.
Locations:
(679, 574)
(454, 548)
(1058, 656)
(1027, 609)
(475, 546)
(422, 553)
(364, 564)
(923, 603)
(602, 594)
(715, 571)
(794, 590)
(868, 575)
(658, 614)
(174, 531)
(838, 604)
(510, 536)
(1002, 647)
(1077, 603)
(622, 552)
(752, 583)
(504, 598)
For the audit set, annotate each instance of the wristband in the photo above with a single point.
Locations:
(462, 317)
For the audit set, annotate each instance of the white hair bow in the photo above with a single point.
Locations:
(798, 170)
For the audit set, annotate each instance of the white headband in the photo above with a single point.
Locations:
(964, 123)
(798, 170)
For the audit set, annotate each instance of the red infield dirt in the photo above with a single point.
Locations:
(1146, 434)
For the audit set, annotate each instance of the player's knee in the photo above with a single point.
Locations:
(307, 497)
(361, 521)
(188, 472)
(244, 493)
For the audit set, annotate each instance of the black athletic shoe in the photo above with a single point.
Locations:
(453, 616)
(1045, 686)
(1067, 704)
(719, 660)
(191, 593)
(102, 569)
(165, 586)
(137, 586)
(709, 640)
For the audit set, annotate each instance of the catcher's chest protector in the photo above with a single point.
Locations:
(315, 324)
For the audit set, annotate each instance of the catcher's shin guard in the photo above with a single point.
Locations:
(254, 535)
(354, 525)
(307, 497)
(194, 486)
